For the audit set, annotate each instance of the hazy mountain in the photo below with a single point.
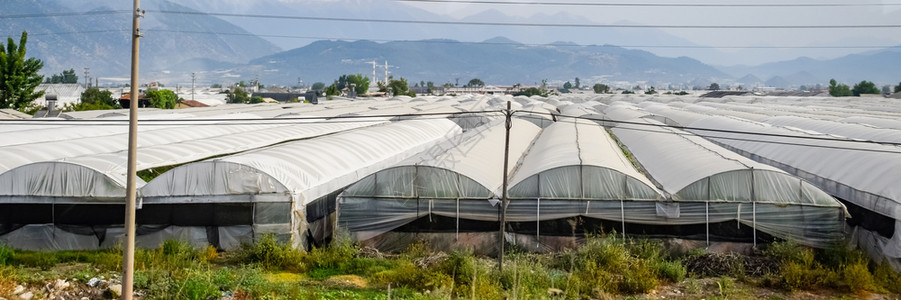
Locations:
(879, 66)
(497, 61)
(103, 43)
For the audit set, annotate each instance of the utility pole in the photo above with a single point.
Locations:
(128, 257)
(500, 255)
(386, 72)
(86, 80)
(373, 69)
(193, 77)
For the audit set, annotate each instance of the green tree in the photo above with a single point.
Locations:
(650, 91)
(898, 88)
(474, 83)
(865, 87)
(18, 75)
(67, 77)
(318, 87)
(578, 84)
(95, 95)
(164, 99)
(361, 83)
(714, 87)
(628, 92)
(600, 88)
(216, 86)
(567, 86)
(839, 89)
(255, 100)
(94, 99)
(237, 96)
(532, 91)
(431, 87)
(332, 90)
(397, 87)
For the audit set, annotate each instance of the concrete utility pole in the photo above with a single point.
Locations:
(373, 69)
(500, 255)
(386, 72)
(86, 80)
(193, 77)
(128, 257)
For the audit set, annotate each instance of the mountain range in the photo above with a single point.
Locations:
(219, 51)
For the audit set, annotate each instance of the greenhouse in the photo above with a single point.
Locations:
(439, 190)
(712, 186)
(86, 186)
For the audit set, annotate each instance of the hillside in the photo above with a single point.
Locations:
(102, 42)
(497, 61)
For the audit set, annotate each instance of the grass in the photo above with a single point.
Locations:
(603, 267)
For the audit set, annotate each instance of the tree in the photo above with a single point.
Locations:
(255, 100)
(650, 91)
(714, 87)
(95, 95)
(216, 86)
(66, 77)
(628, 92)
(237, 96)
(399, 87)
(318, 87)
(600, 88)
(898, 88)
(532, 91)
(164, 99)
(578, 84)
(18, 75)
(839, 90)
(360, 82)
(567, 86)
(94, 99)
(865, 87)
(474, 83)
(332, 90)
(431, 87)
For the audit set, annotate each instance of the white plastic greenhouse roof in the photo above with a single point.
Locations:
(479, 154)
(149, 135)
(675, 158)
(849, 130)
(866, 176)
(307, 169)
(576, 143)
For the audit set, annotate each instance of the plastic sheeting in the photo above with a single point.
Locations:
(461, 168)
(692, 169)
(578, 160)
(299, 173)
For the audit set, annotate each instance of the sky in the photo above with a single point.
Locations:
(879, 12)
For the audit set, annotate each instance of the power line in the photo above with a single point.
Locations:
(65, 14)
(445, 41)
(687, 128)
(441, 115)
(626, 4)
(519, 24)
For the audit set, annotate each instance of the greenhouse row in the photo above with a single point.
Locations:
(745, 169)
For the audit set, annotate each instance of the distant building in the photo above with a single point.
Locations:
(189, 104)
(125, 101)
(65, 93)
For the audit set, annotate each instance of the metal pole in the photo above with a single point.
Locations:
(509, 123)
(128, 256)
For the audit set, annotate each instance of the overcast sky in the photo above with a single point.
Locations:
(885, 13)
(888, 13)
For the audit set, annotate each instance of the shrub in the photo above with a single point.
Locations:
(6, 254)
(269, 253)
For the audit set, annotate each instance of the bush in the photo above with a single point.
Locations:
(271, 254)
(6, 254)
